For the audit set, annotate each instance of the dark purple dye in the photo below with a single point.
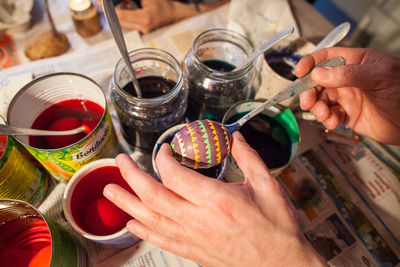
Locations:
(151, 86)
(144, 137)
(267, 137)
(283, 62)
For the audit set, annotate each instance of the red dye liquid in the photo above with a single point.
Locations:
(28, 247)
(102, 217)
(66, 115)
(3, 143)
(90, 210)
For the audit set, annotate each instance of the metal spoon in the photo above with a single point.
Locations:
(330, 40)
(334, 37)
(267, 45)
(10, 130)
(295, 88)
(115, 27)
(300, 85)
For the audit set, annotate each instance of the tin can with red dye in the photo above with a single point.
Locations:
(64, 101)
(21, 176)
(27, 238)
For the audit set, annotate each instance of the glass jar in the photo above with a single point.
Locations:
(164, 100)
(214, 84)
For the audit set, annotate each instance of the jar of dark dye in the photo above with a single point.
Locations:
(214, 84)
(164, 97)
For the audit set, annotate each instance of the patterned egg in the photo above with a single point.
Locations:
(201, 144)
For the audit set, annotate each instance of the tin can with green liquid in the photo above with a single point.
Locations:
(273, 133)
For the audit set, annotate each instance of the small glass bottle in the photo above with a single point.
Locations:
(214, 84)
(85, 16)
(164, 100)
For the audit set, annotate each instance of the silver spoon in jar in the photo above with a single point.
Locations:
(115, 27)
(206, 143)
(11, 130)
(267, 45)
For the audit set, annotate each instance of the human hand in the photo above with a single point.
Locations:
(211, 222)
(152, 15)
(363, 94)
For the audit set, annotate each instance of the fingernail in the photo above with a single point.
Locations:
(108, 192)
(323, 73)
(119, 159)
(238, 136)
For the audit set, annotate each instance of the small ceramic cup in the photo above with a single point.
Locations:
(276, 139)
(278, 69)
(216, 172)
(89, 213)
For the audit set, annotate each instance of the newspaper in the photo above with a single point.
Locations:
(345, 206)
(260, 19)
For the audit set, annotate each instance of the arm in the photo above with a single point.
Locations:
(157, 13)
(189, 10)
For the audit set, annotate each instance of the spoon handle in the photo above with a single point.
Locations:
(267, 45)
(334, 37)
(300, 85)
(9, 130)
(115, 27)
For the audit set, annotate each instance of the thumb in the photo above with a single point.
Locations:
(248, 160)
(361, 76)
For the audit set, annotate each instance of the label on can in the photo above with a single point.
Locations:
(63, 163)
(21, 178)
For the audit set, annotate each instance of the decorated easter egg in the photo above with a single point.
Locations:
(201, 144)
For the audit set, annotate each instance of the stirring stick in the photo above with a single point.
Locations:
(115, 27)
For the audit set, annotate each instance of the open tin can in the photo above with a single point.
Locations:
(21, 176)
(273, 133)
(27, 238)
(57, 95)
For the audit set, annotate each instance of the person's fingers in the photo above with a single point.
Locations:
(185, 182)
(304, 65)
(134, 19)
(308, 99)
(248, 160)
(362, 76)
(148, 3)
(336, 116)
(320, 110)
(134, 207)
(352, 56)
(160, 199)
